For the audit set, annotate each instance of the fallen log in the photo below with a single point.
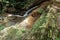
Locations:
(29, 21)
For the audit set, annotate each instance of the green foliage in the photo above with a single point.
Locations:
(20, 32)
(44, 28)
(57, 38)
(17, 4)
(41, 10)
(2, 27)
(11, 35)
(40, 28)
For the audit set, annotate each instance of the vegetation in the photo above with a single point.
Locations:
(18, 5)
(2, 27)
(44, 28)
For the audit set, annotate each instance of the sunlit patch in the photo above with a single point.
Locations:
(9, 15)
